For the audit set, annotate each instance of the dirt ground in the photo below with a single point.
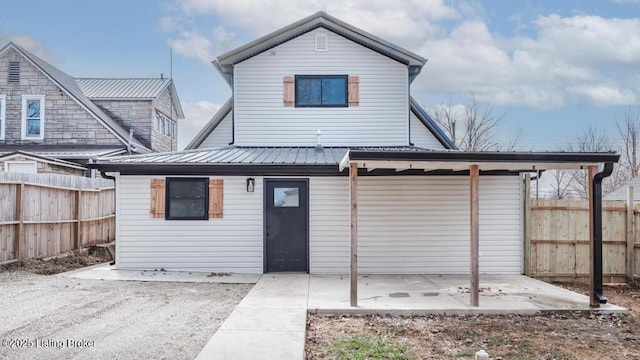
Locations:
(55, 317)
(567, 336)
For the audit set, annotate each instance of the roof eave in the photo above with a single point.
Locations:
(319, 19)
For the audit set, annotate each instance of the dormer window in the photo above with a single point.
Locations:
(321, 90)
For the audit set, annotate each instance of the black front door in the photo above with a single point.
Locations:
(286, 225)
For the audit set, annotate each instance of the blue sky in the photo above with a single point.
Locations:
(553, 68)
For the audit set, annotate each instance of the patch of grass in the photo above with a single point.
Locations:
(368, 346)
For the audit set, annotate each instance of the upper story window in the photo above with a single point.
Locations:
(164, 125)
(14, 72)
(3, 105)
(32, 117)
(321, 90)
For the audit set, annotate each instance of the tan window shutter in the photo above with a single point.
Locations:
(289, 87)
(157, 198)
(216, 197)
(354, 90)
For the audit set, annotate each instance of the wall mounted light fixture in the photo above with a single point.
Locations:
(251, 184)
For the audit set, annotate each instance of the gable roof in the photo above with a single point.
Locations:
(226, 108)
(621, 192)
(431, 124)
(69, 85)
(226, 61)
(128, 89)
(206, 130)
(40, 158)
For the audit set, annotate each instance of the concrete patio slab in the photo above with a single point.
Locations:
(108, 272)
(443, 294)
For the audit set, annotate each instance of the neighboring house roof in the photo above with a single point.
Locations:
(621, 192)
(69, 85)
(226, 61)
(64, 151)
(40, 158)
(228, 106)
(128, 89)
(206, 130)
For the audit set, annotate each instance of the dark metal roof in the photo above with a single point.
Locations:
(238, 156)
(319, 19)
(416, 158)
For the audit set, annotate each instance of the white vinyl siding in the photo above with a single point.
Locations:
(421, 136)
(220, 136)
(229, 244)
(415, 225)
(261, 119)
(406, 224)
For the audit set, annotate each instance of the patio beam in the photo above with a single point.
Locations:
(353, 236)
(474, 287)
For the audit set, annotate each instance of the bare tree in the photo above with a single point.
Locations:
(561, 183)
(471, 126)
(594, 140)
(629, 131)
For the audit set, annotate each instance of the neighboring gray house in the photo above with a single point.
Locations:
(621, 192)
(45, 112)
(269, 184)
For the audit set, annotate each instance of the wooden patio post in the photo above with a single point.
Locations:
(474, 288)
(631, 235)
(591, 172)
(353, 237)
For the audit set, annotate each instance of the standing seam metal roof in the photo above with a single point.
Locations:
(116, 88)
(239, 155)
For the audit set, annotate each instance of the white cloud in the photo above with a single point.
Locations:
(31, 44)
(192, 44)
(557, 63)
(603, 95)
(196, 116)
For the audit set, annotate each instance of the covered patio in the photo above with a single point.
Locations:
(422, 161)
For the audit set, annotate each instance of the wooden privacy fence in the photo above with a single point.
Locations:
(48, 214)
(557, 240)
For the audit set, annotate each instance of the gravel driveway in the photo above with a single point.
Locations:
(55, 317)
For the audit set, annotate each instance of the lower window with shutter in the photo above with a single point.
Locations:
(176, 198)
(187, 199)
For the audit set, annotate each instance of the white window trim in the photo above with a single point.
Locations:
(25, 98)
(9, 162)
(3, 118)
(168, 125)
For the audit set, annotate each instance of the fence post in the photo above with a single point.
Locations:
(527, 224)
(630, 235)
(19, 240)
(78, 214)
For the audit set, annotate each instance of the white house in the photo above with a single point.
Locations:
(321, 162)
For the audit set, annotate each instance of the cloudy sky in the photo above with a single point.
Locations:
(552, 67)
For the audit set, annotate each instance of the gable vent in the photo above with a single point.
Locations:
(321, 42)
(14, 72)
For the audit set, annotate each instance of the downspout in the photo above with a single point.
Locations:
(129, 142)
(597, 233)
(114, 185)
